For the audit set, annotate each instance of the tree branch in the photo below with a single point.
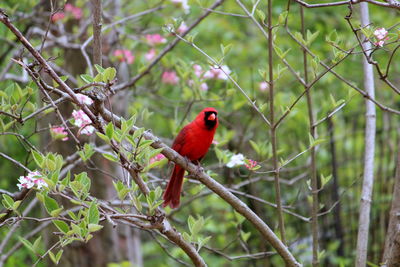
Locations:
(216, 187)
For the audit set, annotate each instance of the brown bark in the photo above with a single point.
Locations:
(335, 188)
(391, 255)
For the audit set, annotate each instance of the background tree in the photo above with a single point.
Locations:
(92, 93)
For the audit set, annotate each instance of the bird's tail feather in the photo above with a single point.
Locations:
(172, 194)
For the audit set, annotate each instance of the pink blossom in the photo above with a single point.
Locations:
(380, 43)
(154, 39)
(198, 70)
(203, 86)
(263, 86)
(84, 99)
(87, 130)
(57, 16)
(124, 55)
(381, 36)
(32, 179)
(59, 133)
(81, 118)
(150, 55)
(170, 77)
(75, 11)
(182, 4)
(83, 121)
(380, 33)
(250, 164)
(217, 73)
(157, 157)
(215, 142)
(182, 28)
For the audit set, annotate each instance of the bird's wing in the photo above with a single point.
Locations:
(180, 140)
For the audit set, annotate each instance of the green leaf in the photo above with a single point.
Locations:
(38, 158)
(263, 73)
(325, 180)
(110, 130)
(245, 236)
(58, 256)
(311, 36)
(260, 14)
(86, 78)
(109, 74)
(87, 152)
(145, 143)
(93, 214)
(50, 164)
(187, 237)
(75, 230)
(104, 137)
(239, 217)
(191, 37)
(88, 237)
(92, 227)
(308, 182)
(155, 152)
(36, 245)
(61, 225)
(155, 164)
(40, 197)
(26, 243)
(99, 69)
(50, 204)
(81, 185)
(282, 17)
(366, 31)
(110, 157)
(138, 204)
(299, 37)
(98, 78)
(280, 53)
(56, 212)
(16, 204)
(8, 125)
(202, 242)
(197, 226)
(225, 49)
(52, 257)
(121, 189)
(255, 146)
(138, 133)
(8, 202)
(72, 215)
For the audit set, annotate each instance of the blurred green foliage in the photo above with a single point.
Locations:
(165, 108)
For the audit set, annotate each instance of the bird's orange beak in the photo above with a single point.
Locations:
(212, 117)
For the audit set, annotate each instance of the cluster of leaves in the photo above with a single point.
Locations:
(163, 110)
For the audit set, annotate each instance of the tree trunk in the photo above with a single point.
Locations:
(335, 189)
(391, 254)
(370, 125)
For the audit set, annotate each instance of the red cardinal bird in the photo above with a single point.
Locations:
(192, 142)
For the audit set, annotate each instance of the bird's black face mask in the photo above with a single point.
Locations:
(210, 119)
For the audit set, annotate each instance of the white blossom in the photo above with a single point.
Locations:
(183, 4)
(32, 179)
(84, 99)
(236, 160)
(218, 73)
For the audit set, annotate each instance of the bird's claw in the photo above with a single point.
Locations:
(199, 170)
